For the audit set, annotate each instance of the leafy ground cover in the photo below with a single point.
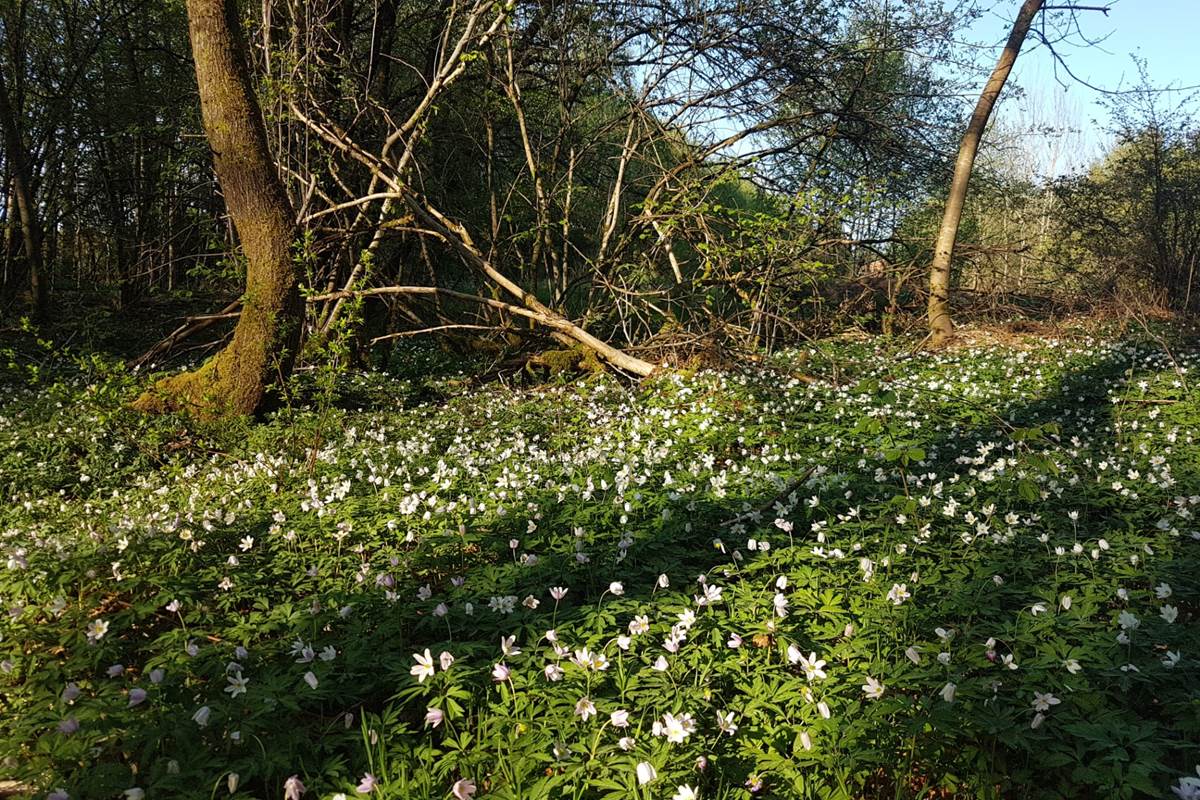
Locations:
(971, 573)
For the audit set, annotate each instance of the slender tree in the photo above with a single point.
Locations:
(26, 206)
(940, 323)
(264, 343)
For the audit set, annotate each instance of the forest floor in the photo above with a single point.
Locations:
(856, 571)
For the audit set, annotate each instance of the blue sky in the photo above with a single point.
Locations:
(1164, 32)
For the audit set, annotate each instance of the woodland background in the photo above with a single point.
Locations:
(703, 175)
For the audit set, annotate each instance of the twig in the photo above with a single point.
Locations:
(1147, 401)
(400, 334)
(190, 327)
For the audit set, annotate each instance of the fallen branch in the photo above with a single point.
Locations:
(400, 334)
(456, 235)
(1147, 401)
(548, 321)
(190, 327)
(565, 330)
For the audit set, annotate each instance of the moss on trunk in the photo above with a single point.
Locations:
(264, 344)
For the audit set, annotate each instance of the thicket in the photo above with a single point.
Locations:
(641, 170)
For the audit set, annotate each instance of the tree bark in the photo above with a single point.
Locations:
(26, 207)
(264, 344)
(941, 326)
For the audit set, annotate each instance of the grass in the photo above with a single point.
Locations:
(964, 574)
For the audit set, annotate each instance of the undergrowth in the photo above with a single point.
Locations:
(965, 574)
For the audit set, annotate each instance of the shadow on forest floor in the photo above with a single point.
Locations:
(931, 741)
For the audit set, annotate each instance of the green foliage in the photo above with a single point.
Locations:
(1134, 219)
(1005, 541)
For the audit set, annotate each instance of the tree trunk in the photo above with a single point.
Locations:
(22, 188)
(940, 324)
(264, 344)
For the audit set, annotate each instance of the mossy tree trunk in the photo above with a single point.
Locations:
(941, 326)
(263, 348)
